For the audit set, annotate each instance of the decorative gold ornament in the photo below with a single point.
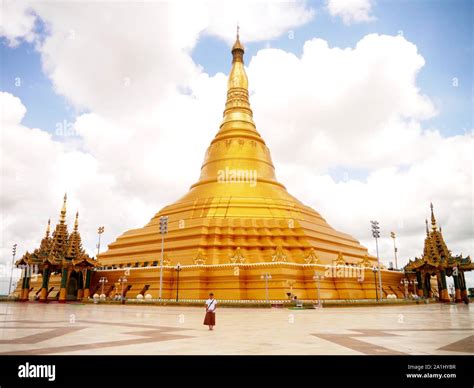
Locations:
(238, 256)
(340, 260)
(366, 263)
(200, 259)
(166, 260)
(312, 257)
(279, 255)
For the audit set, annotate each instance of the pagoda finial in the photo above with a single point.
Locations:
(427, 229)
(62, 218)
(238, 49)
(76, 222)
(48, 228)
(433, 219)
(237, 107)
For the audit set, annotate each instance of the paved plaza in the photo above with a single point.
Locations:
(32, 328)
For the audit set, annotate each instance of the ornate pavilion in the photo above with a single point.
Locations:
(438, 261)
(59, 257)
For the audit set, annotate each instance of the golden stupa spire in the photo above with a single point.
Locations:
(237, 135)
(62, 217)
(433, 219)
(427, 229)
(237, 105)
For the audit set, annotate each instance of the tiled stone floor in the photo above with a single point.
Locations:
(32, 328)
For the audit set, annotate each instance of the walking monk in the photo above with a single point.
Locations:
(210, 318)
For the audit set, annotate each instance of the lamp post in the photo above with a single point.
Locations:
(374, 270)
(318, 278)
(100, 230)
(291, 283)
(376, 235)
(178, 270)
(405, 283)
(122, 280)
(102, 281)
(163, 231)
(13, 263)
(267, 277)
(395, 249)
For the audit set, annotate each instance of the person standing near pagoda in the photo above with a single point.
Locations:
(210, 318)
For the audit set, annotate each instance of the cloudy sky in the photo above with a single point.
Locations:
(366, 107)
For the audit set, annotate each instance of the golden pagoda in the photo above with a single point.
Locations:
(237, 223)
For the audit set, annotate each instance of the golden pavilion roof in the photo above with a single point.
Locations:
(60, 248)
(436, 254)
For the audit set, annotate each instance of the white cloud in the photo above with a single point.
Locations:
(120, 57)
(16, 21)
(351, 11)
(357, 107)
(258, 20)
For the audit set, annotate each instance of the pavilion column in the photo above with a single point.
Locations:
(420, 283)
(443, 294)
(440, 287)
(25, 285)
(457, 289)
(80, 286)
(63, 291)
(22, 292)
(26, 290)
(462, 284)
(44, 286)
(87, 285)
(427, 285)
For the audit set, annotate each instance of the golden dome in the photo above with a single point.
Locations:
(237, 203)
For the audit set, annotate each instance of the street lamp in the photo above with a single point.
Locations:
(395, 250)
(405, 283)
(267, 277)
(374, 270)
(376, 235)
(122, 280)
(163, 231)
(100, 230)
(13, 263)
(178, 270)
(318, 278)
(102, 281)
